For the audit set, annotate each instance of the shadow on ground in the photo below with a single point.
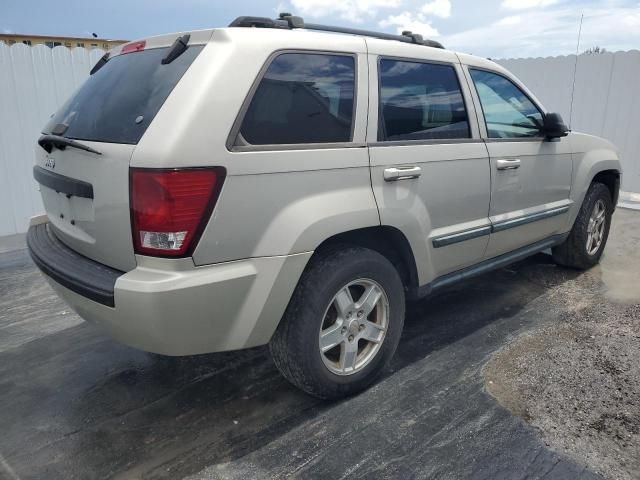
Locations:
(577, 379)
(75, 403)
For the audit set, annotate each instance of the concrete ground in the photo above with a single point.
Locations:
(75, 404)
(577, 378)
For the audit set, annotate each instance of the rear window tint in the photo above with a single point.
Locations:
(420, 101)
(302, 98)
(118, 102)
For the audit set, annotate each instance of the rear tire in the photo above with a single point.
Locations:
(584, 246)
(333, 340)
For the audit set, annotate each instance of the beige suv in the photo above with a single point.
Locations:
(293, 184)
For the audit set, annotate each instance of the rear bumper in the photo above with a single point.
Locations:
(169, 306)
(71, 270)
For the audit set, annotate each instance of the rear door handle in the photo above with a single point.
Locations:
(401, 173)
(505, 164)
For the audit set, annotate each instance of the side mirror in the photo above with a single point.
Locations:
(554, 126)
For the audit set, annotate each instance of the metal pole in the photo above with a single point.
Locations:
(575, 69)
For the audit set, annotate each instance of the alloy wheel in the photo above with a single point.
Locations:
(596, 227)
(354, 326)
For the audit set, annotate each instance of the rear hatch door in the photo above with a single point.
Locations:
(86, 193)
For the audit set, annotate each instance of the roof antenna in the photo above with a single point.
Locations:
(575, 69)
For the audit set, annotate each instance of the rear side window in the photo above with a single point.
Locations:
(420, 101)
(302, 98)
(118, 102)
(508, 112)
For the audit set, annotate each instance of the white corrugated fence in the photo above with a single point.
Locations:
(35, 81)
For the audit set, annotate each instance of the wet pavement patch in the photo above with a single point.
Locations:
(577, 379)
(75, 404)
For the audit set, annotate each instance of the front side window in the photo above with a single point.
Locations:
(508, 112)
(302, 98)
(420, 101)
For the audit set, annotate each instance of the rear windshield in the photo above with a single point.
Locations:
(118, 102)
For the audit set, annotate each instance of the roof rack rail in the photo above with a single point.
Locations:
(289, 22)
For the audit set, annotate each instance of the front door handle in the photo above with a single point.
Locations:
(504, 164)
(401, 173)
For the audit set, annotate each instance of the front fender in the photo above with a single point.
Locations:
(591, 156)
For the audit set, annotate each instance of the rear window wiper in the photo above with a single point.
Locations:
(100, 63)
(49, 141)
(178, 48)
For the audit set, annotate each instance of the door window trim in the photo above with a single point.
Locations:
(231, 144)
(484, 131)
(434, 141)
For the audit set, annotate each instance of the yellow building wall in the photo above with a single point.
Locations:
(68, 42)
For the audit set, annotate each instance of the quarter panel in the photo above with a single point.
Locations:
(293, 212)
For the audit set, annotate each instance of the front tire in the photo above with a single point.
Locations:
(584, 246)
(343, 323)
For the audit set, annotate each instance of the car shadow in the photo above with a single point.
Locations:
(86, 406)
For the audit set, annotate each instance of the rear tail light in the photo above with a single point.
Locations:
(170, 208)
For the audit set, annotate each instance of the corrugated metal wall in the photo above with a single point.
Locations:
(35, 81)
(606, 101)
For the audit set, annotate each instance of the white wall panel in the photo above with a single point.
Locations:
(34, 83)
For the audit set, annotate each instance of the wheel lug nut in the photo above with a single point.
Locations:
(344, 329)
(360, 313)
(351, 338)
(361, 327)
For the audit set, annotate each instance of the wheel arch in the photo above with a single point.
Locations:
(601, 165)
(390, 242)
(611, 179)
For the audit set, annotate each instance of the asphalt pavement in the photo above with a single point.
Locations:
(76, 404)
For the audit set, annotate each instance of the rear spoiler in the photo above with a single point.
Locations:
(178, 47)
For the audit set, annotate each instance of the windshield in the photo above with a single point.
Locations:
(118, 102)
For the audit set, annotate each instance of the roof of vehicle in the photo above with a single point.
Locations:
(408, 42)
(356, 41)
(293, 31)
(287, 21)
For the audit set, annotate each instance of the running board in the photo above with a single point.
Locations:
(490, 264)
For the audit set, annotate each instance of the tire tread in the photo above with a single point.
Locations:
(572, 252)
(293, 361)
